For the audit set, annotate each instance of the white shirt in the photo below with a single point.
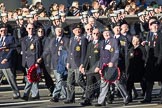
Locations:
(116, 36)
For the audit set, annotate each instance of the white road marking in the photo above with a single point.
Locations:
(25, 102)
(134, 106)
(43, 101)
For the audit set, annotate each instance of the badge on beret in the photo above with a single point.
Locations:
(111, 49)
(31, 46)
(7, 50)
(96, 51)
(78, 48)
(122, 43)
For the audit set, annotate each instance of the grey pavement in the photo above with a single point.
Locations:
(6, 100)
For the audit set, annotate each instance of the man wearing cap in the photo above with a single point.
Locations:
(65, 26)
(30, 47)
(58, 49)
(76, 56)
(90, 63)
(33, 19)
(141, 26)
(109, 54)
(153, 59)
(4, 19)
(55, 21)
(6, 57)
(123, 45)
(88, 32)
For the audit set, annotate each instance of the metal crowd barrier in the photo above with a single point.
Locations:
(71, 20)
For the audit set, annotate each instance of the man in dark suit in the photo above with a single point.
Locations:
(6, 57)
(153, 58)
(30, 54)
(90, 63)
(57, 48)
(109, 54)
(76, 56)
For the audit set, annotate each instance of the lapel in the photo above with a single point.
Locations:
(29, 42)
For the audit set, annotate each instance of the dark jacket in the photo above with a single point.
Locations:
(7, 53)
(77, 52)
(30, 50)
(55, 50)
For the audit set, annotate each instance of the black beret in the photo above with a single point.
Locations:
(116, 24)
(155, 22)
(58, 26)
(76, 25)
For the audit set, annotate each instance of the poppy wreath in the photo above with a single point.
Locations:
(110, 74)
(32, 74)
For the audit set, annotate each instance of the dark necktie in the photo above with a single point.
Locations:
(57, 40)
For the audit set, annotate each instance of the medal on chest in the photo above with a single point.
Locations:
(96, 51)
(77, 48)
(123, 43)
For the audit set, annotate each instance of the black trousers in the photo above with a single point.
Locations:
(92, 85)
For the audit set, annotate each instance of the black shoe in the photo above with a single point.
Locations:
(35, 98)
(145, 102)
(86, 103)
(25, 98)
(54, 100)
(16, 97)
(69, 101)
(100, 105)
(126, 101)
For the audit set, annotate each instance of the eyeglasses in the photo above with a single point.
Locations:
(95, 33)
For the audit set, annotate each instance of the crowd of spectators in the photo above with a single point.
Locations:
(131, 7)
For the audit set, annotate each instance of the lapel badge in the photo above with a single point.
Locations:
(131, 54)
(111, 49)
(78, 48)
(96, 51)
(122, 43)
